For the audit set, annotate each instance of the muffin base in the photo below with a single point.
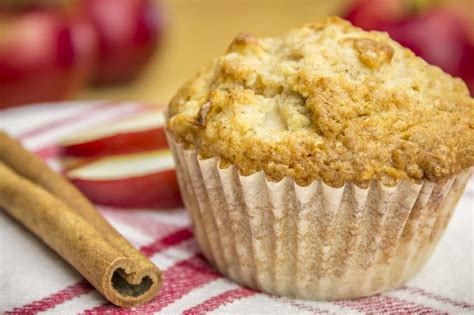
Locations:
(315, 242)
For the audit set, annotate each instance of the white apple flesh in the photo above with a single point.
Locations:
(143, 180)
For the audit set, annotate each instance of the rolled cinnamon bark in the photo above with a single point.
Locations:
(63, 218)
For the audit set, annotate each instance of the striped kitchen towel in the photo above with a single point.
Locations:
(33, 279)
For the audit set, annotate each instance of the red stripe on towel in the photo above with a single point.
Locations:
(378, 304)
(47, 152)
(439, 298)
(219, 300)
(53, 300)
(64, 121)
(83, 287)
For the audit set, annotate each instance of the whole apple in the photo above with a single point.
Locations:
(45, 55)
(128, 32)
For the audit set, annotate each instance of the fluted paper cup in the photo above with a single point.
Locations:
(315, 242)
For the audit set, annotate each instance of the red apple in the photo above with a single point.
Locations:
(86, 44)
(371, 14)
(143, 132)
(43, 56)
(128, 32)
(144, 180)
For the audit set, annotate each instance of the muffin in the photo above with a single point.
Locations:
(324, 163)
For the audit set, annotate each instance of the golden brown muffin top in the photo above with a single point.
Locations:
(327, 101)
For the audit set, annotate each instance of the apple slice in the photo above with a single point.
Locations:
(143, 132)
(69, 163)
(143, 180)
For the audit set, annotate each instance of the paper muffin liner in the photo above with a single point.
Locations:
(315, 242)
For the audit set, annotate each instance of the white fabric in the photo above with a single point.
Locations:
(34, 279)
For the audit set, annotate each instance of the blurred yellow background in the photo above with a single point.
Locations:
(198, 30)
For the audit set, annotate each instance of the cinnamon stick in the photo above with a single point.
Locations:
(54, 210)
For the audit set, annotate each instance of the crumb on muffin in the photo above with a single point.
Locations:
(327, 101)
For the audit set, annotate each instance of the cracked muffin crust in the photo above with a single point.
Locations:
(327, 101)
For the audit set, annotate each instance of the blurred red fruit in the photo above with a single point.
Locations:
(371, 14)
(128, 32)
(86, 42)
(43, 56)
